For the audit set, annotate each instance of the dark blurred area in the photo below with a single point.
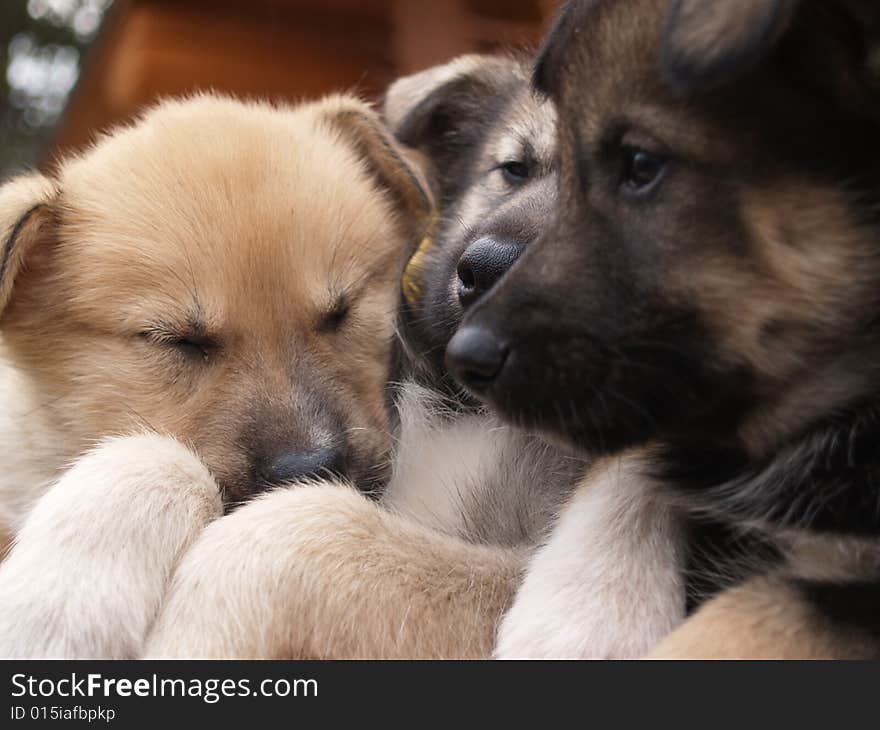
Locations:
(74, 67)
(41, 49)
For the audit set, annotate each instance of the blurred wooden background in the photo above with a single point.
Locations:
(280, 49)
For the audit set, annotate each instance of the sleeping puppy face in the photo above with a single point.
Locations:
(488, 142)
(713, 270)
(223, 273)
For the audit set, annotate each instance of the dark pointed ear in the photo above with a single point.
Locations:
(443, 111)
(548, 62)
(707, 43)
(362, 128)
(25, 219)
(858, 24)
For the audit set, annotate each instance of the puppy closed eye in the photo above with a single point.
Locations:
(335, 318)
(191, 346)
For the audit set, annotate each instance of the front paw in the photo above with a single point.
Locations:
(535, 629)
(581, 629)
(525, 634)
(322, 572)
(601, 610)
(90, 565)
(161, 465)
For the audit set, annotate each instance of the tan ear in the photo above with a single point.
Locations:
(25, 217)
(361, 127)
(709, 43)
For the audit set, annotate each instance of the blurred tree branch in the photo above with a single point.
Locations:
(46, 32)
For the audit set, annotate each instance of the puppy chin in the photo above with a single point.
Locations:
(585, 434)
(577, 427)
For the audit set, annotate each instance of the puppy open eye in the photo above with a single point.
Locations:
(642, 170)
(515, 172)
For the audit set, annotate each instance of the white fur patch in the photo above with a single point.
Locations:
(608, 583)
(90, 566)
(439, 461)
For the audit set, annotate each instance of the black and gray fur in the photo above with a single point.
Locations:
(718, 243)
(488, 145)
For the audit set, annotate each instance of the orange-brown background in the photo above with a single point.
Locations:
(280, 49)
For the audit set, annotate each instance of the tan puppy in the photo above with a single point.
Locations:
(428, 572)
(222, 273)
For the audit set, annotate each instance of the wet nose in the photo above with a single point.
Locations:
(297, 465)
(475, 356)
(482, 264)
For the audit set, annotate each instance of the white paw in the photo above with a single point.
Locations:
(609, 581)
(580, 627)
(91, 563)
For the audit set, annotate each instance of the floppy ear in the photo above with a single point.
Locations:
(442, 111)
(362, 128)
(25, 218)
(706, 43)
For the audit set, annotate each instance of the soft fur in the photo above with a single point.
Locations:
(222, 273)
(94, 557)
(429, 571)
(708, 289)
(321, 573)
(610, 580)
(352, 579)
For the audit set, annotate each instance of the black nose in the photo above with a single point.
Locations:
(475, 357)
(296, 465)
(482, 264)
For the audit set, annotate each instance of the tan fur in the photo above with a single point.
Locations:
(346, 579)
(810, 270)
(238, 226)
(324, 573)
(229, 215)
(704, 33)
(761, 619)
(22, 211)
(91, 563)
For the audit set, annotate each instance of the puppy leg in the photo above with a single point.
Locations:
(765, 618)
(609, 582)
(322, 572)
(91, 563)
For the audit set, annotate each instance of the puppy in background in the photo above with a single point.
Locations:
(488, 147)
(427, 573)
(221, 278)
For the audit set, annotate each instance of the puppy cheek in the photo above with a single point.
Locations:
(221, 450)
(369, 428)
